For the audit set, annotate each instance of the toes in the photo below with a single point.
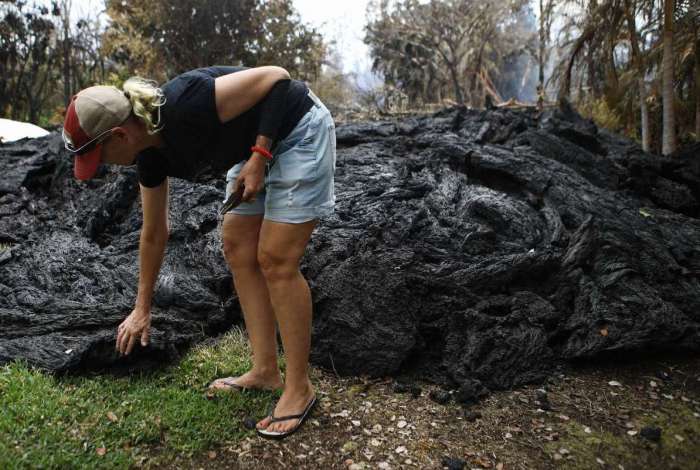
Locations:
(263, 423)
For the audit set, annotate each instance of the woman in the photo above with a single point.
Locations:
(277, 141)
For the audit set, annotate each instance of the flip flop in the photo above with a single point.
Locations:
(282, 434)
(211, 390)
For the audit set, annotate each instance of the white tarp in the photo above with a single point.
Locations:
(14, 130)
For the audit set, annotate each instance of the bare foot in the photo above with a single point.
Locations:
(291, 402)
(250, 380)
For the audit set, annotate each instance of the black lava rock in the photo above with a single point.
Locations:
(664, 375)
(651, 433)
(471, 415)
(400, 387)
(249, 422)
(542, 399)
(453, 463)
(440, 396)
(467, 245)
(415, 391)
(470, 391)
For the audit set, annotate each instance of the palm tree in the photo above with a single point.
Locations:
(639, 67)
(669, 141)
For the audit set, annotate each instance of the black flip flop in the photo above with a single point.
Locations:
(281, 435)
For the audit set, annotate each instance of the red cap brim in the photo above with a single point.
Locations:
(85, 166)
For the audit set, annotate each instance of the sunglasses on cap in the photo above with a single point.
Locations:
(87, 146)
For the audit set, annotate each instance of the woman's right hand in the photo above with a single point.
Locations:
(136, 325)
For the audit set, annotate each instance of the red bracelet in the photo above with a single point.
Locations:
(262, 151)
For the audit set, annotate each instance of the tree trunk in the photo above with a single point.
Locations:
(65, 6)
(669, 141)
(455, 80)
(697, 86)
(590, 61)
(540, 81)
(637, 61)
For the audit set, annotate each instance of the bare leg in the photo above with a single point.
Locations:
(281, 247)
(240, 237)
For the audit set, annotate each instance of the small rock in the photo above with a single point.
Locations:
(355, 422)
(249, 422)
(400, 449)
(614, 383)
(440, 396)
(374, 443)
(663, 375)
(471, 391)
(348, 462)
(401, 424)
(383, 465)
(651, 433)
(587, 430)
(564, 451)
(212, 454)
(356, 466)
(471, 415)
(558, 457)
(377, 428)
(542, 399)
(600, 461)
(348, 447)
(679, 438)
(632, 432)
(453, 463)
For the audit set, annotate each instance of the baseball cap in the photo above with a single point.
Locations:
(90, 118)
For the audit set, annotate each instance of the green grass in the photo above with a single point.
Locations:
(620, 449)
(53, 422)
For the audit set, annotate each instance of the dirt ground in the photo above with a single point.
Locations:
(628, 416)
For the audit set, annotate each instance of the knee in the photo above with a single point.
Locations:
(238, 255)
(275, 266)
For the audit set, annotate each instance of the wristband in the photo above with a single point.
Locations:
(262, 151)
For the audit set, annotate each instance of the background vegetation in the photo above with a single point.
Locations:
(632, 65)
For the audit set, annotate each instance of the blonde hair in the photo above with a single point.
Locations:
(145, 97)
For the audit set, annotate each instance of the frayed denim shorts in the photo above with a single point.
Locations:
(299, 178)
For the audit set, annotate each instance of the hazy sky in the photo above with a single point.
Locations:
(340, 21)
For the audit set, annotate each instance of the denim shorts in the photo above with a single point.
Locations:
(299, 179)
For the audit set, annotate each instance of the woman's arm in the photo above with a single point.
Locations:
(237, 92)
(154, 237)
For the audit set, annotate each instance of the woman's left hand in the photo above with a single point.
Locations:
(252, 177)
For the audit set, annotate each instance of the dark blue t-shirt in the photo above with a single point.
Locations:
(198, 146)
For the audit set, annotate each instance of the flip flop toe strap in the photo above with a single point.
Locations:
(230, 383)
(274, 419)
